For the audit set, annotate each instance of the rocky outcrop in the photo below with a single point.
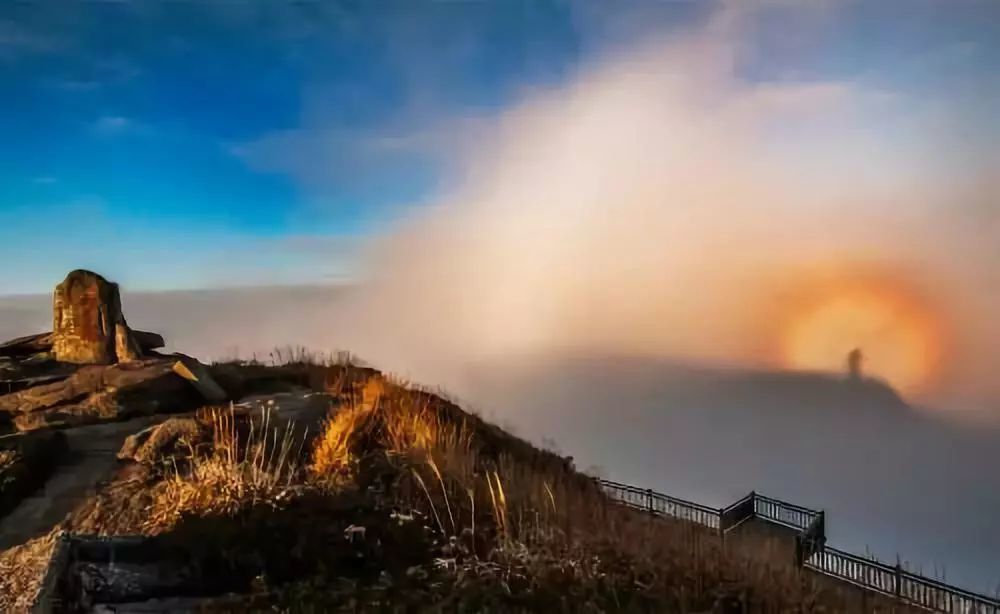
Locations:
(96, 393)
(38, 369)
(155, 442)
(93, 367)
(91, 379)
(38, 347)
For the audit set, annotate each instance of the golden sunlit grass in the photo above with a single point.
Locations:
(241, 470)
(22, 569)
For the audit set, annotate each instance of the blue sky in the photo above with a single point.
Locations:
(185, 145)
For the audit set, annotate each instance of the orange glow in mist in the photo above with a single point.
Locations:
(900, 337)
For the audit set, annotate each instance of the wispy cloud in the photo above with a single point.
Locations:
(114, 124)
(117, 68)
(44, 180)
(73, 85)
(17, 40)
(95, 74)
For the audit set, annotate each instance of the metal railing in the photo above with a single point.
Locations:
(788, 515)
(661, 504)
(811, 550)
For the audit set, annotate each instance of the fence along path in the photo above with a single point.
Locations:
(811, 549)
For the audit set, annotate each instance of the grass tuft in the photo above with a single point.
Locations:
(251, 462)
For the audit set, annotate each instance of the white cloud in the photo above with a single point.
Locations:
(112, 125)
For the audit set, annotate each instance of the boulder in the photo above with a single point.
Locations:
(88, 326)
(85, 309)
(154, 442)
(196, 373)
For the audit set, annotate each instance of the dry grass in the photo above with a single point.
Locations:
(241, 470)
(523, 520)
(22, 570)
(8, 458)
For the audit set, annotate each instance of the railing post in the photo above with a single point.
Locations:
(899, 579)
(649, 500)
(822, 530)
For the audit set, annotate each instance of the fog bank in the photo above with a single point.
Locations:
(661, 205)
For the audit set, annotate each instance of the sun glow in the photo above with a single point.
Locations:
(898, 335)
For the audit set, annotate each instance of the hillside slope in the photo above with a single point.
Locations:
(400, 500)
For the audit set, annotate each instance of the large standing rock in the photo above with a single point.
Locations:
(86, 315)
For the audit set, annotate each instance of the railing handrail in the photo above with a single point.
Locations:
(748, 497)
(904, 583)
(860, 559)
(659, 495)
(813, 533)
(791, 506)
(956, 590)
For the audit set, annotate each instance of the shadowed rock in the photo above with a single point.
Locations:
(196, 373)
(126, 347)
(154, 442)
(147, 341)
(25, 463)
(95, 393)
(27, 345)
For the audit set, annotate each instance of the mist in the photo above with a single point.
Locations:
(616, 262)
(659, 205)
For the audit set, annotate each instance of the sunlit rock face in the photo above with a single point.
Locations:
(86, 311)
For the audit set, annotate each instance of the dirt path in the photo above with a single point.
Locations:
(92, 458)
(89, 459)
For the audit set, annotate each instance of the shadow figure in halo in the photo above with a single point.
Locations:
(854, 360)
